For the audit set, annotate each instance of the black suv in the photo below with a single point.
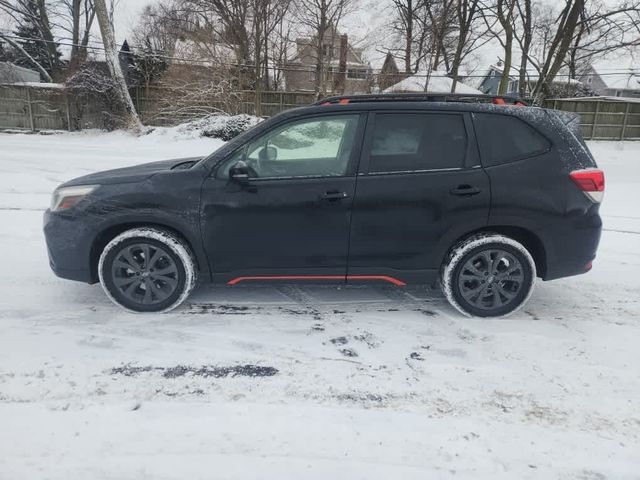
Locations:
(482, 194)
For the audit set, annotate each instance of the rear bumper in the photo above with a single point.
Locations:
(574, 248)
(68, 247)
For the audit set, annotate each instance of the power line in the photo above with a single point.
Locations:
(288, 66)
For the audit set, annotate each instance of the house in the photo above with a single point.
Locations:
(435, 82)
(619, 82)
(389, 73)
(11, 73)
(489, 82)
(300, 70)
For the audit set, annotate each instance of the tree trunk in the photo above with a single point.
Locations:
(340, 78)
(409, 37)
(559, 47)
(132, 120)
(319, 78)
(526, 45)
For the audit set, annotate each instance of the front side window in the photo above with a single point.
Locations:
(417, 141)
(505, 138)
(319, 146)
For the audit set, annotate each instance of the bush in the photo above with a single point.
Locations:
(224, 127)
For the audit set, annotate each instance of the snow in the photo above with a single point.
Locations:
(438, 83)
(371, 382)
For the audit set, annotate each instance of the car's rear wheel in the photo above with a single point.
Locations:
(488, 275)
(147, 270)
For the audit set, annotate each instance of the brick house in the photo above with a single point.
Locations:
(300, 70)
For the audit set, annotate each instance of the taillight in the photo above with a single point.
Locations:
(591, 182)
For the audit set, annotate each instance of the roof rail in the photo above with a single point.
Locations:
(422, 97)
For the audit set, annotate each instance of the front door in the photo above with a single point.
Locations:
(291, 220)
(420, 187)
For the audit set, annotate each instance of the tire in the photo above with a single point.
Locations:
(132, 283)
(488, 275)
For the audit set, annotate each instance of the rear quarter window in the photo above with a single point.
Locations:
(504, 139)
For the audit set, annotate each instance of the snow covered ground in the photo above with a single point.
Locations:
(309, 382)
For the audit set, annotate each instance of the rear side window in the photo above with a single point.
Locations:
(503, 139)
(415, 141)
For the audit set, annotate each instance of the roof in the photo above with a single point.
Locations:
(10, 72)
(620, 78)
(531, 75)
(438, 82)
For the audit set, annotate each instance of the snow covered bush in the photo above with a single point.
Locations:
(96, 104)
(221, 126)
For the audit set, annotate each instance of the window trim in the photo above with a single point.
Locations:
(514, 159)
(467, 164)
(352, 164)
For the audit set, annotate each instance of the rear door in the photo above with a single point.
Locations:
(419, 187)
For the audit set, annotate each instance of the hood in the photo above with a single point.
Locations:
(136, 173)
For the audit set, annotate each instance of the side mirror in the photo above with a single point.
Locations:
(239, 173)
(268, 154)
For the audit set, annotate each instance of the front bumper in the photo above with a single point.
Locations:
(68, 247)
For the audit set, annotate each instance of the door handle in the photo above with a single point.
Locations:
(465, 190)
(334, 195)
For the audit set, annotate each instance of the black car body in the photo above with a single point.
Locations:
(375, 210)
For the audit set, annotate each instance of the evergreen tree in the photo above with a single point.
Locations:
(35, 42)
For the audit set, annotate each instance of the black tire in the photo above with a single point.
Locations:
(488, 275)
(147, 270)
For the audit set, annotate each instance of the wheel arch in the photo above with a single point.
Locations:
(109, 233)
(527, 238)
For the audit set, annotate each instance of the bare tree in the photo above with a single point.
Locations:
(131, 119)
(499, 19)
(603, 29)
(472, 33)
(555, 52)
(79, 16)
(523, 33)
(410, 26)
(322, 18)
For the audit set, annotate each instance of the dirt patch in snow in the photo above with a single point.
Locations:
(203, 371)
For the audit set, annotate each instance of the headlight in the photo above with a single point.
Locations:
(67, 197)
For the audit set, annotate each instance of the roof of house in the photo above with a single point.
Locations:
(438, 82)
(620, 78)
(514, 74)
(14, 73)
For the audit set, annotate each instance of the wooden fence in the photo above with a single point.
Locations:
(603, 119)
(40, 108)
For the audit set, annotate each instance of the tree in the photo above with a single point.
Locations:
(468, 16)
(80, 15)
(321, 18)
(150, 64)
(36, 44)
(558, 47)
(523, 33)
(499, 19)
(603, 29)
(409, 20)
(131, 119)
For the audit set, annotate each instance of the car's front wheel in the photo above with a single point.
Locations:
(147, 270)
(488, 275)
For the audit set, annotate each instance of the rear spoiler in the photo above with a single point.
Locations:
(570, 119)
